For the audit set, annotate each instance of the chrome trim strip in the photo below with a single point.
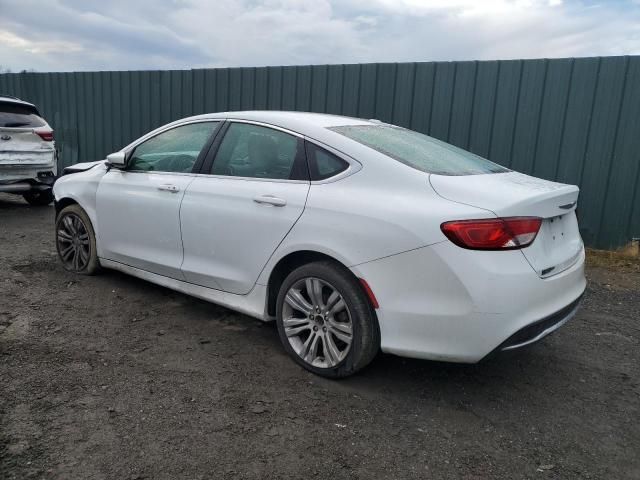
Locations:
(164, 128)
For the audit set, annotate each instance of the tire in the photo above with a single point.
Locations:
(321, 336)
(39, 198)
(76, 241)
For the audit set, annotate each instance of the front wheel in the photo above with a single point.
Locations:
(39, 198)
(76, 241)
(325, 321)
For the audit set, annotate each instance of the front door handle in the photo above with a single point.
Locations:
(169, 188)
(270, 200)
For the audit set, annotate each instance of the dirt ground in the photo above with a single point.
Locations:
(110, 377)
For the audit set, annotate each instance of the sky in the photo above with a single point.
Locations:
(80, 35)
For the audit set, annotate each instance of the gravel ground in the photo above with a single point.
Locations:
(110, 377)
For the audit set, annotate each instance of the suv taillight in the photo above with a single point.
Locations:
(46, 135)
(493, 233)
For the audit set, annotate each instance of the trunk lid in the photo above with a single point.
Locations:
(558, 244)
(22, 146)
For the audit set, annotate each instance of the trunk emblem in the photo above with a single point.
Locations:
(568, 205)
(5, 137)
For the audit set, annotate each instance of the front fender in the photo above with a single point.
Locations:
(81, 187)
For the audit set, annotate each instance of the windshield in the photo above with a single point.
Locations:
(419, 151)
(13, 115)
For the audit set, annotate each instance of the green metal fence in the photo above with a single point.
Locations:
(571, 120)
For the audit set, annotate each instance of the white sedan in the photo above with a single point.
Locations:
(353, 235)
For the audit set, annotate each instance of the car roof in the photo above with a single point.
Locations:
(305, 123)
(11, 99)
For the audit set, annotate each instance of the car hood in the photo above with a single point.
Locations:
(81, 167)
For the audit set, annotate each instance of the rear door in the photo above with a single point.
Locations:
(138, 209)
(20, 144)
(235, 214)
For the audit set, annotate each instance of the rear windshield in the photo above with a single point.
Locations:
(419, 151)
(16, 115)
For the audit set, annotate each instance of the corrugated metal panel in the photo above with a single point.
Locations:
(571, 120)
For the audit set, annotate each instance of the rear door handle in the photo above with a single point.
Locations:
(169, 188)
(270, 200)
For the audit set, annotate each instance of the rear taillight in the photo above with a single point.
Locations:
(493, 234)
(47, 135)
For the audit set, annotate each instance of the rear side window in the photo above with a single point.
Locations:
(419, 151)
(323, 164)
(14, 115)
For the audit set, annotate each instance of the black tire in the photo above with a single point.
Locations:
(365, 341)
(76, 215)
(39, 198)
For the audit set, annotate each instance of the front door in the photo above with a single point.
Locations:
(138, 208)
(235, 215)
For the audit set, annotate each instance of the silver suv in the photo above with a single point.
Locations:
(27, 152)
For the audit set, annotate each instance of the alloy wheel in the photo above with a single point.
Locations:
(317, 322)
(72, 240)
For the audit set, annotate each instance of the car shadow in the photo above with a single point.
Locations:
(387, 373)
(12, 202)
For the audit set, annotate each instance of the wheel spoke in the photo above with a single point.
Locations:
(84, 239)
(312, 354)
(84, 255)
(77, 224)
(341, 326)
(295, 299)
(314, 290)
(76, 259)
(309, 347)
(331, 351)
(66, 253)
(340, 333)
(63, 236)
(294, 322)
(293, 331)
(69, 226)
(332, 300)
(338, 307)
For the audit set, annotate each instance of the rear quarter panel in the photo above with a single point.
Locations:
(369, 215)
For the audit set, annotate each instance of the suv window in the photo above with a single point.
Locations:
(419, 151)
(323, 164)
(255, 151)
(175, 150)
(14, 115)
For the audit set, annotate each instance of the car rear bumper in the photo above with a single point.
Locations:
(27, 179)
(540, 329)
(445, 303)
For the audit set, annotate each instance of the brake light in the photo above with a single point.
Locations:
(494, 233)
(46, 135)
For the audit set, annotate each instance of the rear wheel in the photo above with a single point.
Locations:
(76, 241)
(39, 198)
(325, 320)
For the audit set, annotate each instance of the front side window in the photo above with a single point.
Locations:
(175, 150)
(15, 115)
(419, 151)
(255, 151)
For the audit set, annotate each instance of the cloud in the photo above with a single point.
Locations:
(79, 35)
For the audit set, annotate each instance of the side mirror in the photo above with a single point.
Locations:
(117, 159)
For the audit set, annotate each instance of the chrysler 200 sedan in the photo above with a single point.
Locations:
(355, 236)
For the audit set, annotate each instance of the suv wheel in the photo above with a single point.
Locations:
(39, 198)
(325, 320)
